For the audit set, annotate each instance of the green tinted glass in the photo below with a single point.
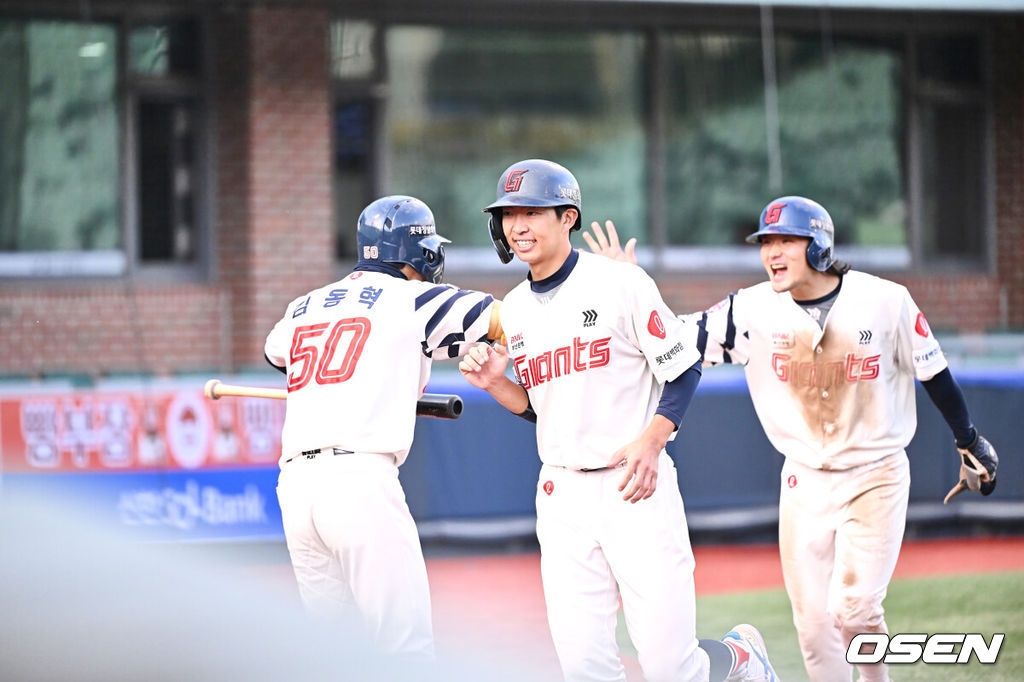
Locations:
(466, 103)
(839, 135)
(58, 146)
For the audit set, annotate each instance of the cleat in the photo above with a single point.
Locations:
(752, 664)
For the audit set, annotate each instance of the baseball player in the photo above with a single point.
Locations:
(830, 356)
(357, 354)
(607, 372)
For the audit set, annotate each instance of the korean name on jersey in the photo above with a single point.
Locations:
(358, 354)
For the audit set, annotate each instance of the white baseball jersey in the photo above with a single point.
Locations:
(831, 397)
(358, 355)
(593, 355)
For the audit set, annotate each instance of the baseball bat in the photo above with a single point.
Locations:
(438, 405)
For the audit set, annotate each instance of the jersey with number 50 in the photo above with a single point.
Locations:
(357, 354)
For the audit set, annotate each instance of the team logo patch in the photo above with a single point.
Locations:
(589, 318)
(356, 275)
(791, 481)
(782, 339)
(549, 487)
(655, 326)
(515, 180)
(921, 326)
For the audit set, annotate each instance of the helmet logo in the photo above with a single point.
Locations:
(655, 326)
(773, 214)
(514, 180)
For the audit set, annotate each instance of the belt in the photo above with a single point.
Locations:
(310, 454)
(620, 464)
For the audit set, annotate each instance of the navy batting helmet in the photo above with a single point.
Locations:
(400, 229)
(804, 218)
(534, 182)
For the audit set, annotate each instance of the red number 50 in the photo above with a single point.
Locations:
(306, 349)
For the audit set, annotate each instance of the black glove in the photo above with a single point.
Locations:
(977, 468)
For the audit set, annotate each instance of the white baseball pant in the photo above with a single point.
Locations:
(355, 548)
(595, 547)
(839, 538)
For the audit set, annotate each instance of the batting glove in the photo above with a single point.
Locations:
(977, 468)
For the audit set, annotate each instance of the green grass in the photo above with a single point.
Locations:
(986, 604)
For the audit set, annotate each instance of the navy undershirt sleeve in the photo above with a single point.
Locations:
(676, 396)
(946, 394)
(528, 414)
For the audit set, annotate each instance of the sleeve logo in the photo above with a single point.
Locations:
(655, 326)
(921, 326)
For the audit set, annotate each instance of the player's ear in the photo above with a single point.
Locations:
(569, 217)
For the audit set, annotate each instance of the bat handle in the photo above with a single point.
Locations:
(210, 390)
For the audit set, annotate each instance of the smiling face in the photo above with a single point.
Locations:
(784, 257)
(538, 236)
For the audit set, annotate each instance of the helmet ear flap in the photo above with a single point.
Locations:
(498, 238)
(433, 269)
(819, 258)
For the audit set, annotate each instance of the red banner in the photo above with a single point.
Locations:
(130, 430)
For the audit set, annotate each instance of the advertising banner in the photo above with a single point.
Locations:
(163, 461)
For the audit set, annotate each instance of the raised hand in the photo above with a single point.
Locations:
(609, 246)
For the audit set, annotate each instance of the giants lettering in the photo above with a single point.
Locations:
(579, 356)
(825, 374)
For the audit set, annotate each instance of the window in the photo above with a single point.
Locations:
(463, 104)
(59, 180)
(950, 104)
(466, 103)
(682, 135)
(164, 65)
(839, 136)
(67, 208)
(357, 72)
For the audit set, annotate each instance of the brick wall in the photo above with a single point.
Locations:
(1008, 59)
(98, 330)
(288, 248)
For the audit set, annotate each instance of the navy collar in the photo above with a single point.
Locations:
(827, 297)
(562, 274)
(378, 266)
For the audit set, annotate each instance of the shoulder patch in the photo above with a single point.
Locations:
(655, 326)
(921, 326)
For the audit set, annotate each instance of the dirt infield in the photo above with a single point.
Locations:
(495, 604)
